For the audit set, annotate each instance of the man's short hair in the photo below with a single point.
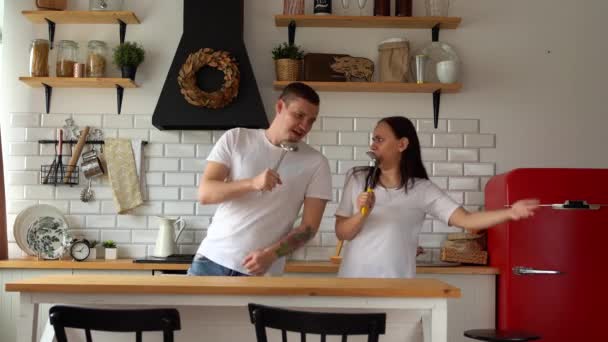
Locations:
(299, 90)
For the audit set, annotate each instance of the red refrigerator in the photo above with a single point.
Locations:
(552, 266)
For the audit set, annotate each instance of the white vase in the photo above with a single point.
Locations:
(92, 255)
(447, 71)
(111, 253)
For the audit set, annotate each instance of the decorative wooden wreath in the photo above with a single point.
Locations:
(215, 59)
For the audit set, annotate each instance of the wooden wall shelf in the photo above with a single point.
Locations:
(385, 87)
(378, 87)
(81, 17)
(122, 18)
(433, 23)
(71, 82)
(367, 21)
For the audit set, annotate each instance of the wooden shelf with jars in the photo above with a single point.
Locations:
(73, 82)
(367, 21)
(433, 23)
(51, 18)
(377, 87)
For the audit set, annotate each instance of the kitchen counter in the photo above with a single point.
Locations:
(269, 286)
(291, 267)
(225, 300)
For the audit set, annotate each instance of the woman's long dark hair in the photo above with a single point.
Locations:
(411, 165)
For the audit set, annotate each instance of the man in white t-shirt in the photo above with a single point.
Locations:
(253, 227)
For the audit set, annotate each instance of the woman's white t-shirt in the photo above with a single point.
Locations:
(386, 245)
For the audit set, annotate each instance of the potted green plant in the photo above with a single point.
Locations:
(110, 249)
(288, 61)
(93, 250)
(128, 56)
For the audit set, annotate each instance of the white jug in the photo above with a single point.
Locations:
(166, 241)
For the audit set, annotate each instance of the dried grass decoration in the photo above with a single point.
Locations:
(215, 59)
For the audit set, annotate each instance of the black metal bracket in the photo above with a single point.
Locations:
(120, 91)
(122, 30)
(435, 32)
(73, 142)
(291, 32)
(51, 25)
(48, 92)
(436, 101)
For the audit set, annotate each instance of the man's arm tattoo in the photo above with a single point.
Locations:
(294, 240)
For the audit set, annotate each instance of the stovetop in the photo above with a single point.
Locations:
(171, 259)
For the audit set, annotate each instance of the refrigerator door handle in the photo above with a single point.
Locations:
(521, 270)
(576, 205)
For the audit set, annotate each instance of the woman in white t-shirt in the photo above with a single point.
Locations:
(382, 242)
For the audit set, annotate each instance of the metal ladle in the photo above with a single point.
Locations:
(369, 186)
(287, 146)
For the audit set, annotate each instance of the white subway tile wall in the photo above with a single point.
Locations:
(176, 159)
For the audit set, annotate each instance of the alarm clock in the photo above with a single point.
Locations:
(80, 250)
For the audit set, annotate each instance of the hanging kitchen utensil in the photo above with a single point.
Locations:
(76, 154)
(87, 194)
(91, 165)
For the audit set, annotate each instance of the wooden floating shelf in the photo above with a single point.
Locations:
(81, 17)
(72, 82)
(367, 21)
(378, 87)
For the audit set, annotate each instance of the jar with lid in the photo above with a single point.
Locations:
(39, 58)
(67, 56)
(96, 58)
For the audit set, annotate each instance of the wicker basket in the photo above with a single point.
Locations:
(464, 256)
(465, 248)
(288, 69)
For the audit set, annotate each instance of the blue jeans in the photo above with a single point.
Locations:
(205, 267)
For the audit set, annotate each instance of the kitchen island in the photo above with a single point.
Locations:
(193, 295)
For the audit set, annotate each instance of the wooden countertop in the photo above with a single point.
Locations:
(291, 267)
(267, 286)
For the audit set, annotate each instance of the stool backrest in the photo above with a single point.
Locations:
(131, 320)
(317, 323)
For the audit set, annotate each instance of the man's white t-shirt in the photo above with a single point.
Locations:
(258, 219)
(386, 245)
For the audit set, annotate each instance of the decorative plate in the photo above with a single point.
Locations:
(41, 230)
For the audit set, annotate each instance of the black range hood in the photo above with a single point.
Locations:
(218, 25)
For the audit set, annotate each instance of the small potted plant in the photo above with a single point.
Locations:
(128, 56)
(110, 249)
(288, 61)
(93, 250)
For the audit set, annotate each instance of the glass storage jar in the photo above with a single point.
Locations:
(96, 58)
(105, 5)
(67, 56)
(39, 58)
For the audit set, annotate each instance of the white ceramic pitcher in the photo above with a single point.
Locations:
(166, 241)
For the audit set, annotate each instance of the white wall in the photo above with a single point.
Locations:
(532, 73)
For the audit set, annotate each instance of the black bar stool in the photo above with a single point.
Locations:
(494, 335)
